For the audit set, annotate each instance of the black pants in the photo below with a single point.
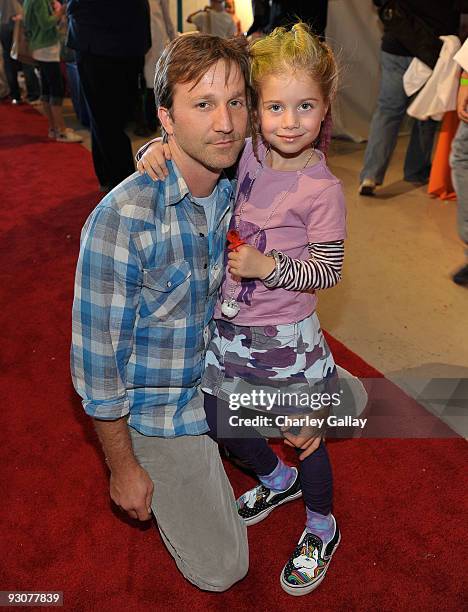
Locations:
(150, 110)
(314, 13)
(11, 65)
(52, 88)
(110, 86)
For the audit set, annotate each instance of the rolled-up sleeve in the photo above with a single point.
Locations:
(107, 289)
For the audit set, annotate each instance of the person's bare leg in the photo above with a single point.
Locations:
(48, 113)
(57, 116)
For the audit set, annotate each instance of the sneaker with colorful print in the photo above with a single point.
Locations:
(309, 563)
(256, 504)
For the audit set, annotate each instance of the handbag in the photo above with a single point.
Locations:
(20, 49)
(411, 31)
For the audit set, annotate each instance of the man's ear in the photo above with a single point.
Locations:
(165, 117)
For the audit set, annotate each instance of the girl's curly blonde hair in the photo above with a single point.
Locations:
(297, 49)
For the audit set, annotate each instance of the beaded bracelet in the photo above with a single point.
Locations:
(273, 281)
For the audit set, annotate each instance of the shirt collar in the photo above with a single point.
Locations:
(176, 187)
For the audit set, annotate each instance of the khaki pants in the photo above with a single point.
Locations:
(194, 506)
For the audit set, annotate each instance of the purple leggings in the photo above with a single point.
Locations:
(315, 471)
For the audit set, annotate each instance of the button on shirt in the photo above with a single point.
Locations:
(146, 287)
(209, 205)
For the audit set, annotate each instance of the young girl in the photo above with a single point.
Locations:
(290, 214)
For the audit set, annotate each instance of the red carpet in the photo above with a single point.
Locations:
(400, 503)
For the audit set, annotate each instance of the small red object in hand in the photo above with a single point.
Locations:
(234, 240)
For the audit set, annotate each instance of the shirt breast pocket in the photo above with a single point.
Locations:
(165, 294)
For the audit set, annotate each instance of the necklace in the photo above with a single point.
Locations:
(230, 307)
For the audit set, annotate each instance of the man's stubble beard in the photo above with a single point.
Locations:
(206, 154)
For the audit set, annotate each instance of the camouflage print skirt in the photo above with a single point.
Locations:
(274, 358)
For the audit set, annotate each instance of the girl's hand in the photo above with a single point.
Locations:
(153, 161)
(308, 441)
(309, 437)
(247, 262)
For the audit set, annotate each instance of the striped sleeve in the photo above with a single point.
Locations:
(321, 271)
(142, 150)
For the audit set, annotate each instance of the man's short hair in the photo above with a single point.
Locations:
(188, 57)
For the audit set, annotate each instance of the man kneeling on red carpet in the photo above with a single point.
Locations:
(149, 270)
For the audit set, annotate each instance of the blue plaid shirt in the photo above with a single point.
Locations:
(146, 285)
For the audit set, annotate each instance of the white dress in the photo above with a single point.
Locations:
(162, 31)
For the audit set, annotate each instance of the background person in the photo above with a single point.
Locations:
(284, 12)
(261, 17)
(231, 9)
(4, 89)
(33, 86)
(10, 10)
(162, 32)
(459, 161)
(438, 18)
(40, 22)
(111, 38)
(214, 19)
